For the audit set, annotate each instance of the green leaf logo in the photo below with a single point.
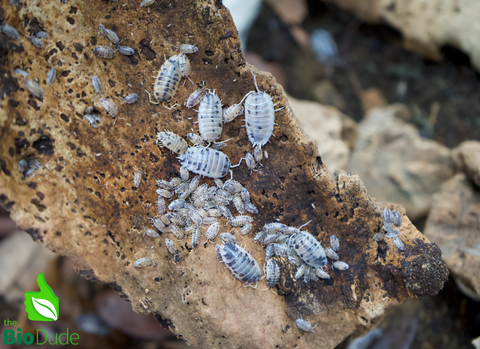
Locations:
(43, 305)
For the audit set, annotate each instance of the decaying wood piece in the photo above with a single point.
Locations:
(74, 191)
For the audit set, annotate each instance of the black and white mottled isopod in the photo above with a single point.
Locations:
(272, 273)
(131, 98)
(334, 243)
(310, 250)
(93, 119)
(158, 224)
(109, 106)
(210, 121)
(397, 218)
(239, 204)
(259, 117)
(97, 85)
(167, 81)
(340, 265)
(188, 49)
(195, 98)
(143, 262)
(51, 75)
(206, 162)
(240, 263)
(126, 51)
(172, 142)
(104, 52)
(184, 64)
(11, 32)
(171, 247)
(304, 325)
(34, 88)
(212, 231)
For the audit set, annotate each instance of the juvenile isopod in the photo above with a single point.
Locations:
(137, 178)
(176, 205)
(176, 219)
(42, 35)
(11, 32)
(176, 181)
(165, 184)
(51, 75)
(340, 265)
(300, 271)
(387, 216)
(294, 259)
(196, 139)
(21, 72)
(194, 183)
(309, 250)
(379, 237)
(258, 154)
(126, 51)
(260, 236)
(196, 237)
(272, 273)
(177, 231)
(131, 98)
(227, 237)
(147, 3)
(218, 248)
(393, 234)
(151, 233)
(397, 218)
(209, 220)
(34, 88)
(210, 121)
(184, 65)
(218, 183)
(259, 116)
(240, 263)
(246, 229)
(109, 106)
(165, 193)
(188, 49)
(304, 325)
(158, 224)
(165, 219)
(321, 273)
(195, 98)
(274, 227)
(212, 231)
(161, 205)
(251, 208)
(97, 85)
(399, 243)
(334, 243)
(35, 41)
(93, 119)
(171, 247)
(231, 113)
(168, 78)
(245, 195)
(269, 251)
(222, 196)
(238, 203)
(108, 34)
(206, 162)
(172, 142)
(240, 221)
(331, 253)
(225, 211)
(104, 52)
(143, 262)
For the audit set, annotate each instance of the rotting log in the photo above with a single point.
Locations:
(83, 204)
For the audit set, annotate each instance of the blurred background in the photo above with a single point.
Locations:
(398, 119)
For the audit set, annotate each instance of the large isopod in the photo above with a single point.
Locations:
(206, 162)
(210, 119)
(309, 250)
(240, 263)
(168, 78)
(259, 116)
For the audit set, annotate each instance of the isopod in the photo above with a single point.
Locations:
(109, 106)
(137, 178)
(227, 237)
(194, 183)
(165, 193)
(172, 142)
(294, 259)
(331, 253)
(210, 121)
(246, 229)
(260, 236)
(309, 250)
(195, 98)
(93, 119)
(397, 218)
(188, 49)
(245, 195)
(196, 237)
(158, 224)
(206, 162)
(35, 41)
(259, 117)
(21, 72)
(387, 216)
(89, 110)
(165, 184)
(108, 34)
(257, 153)
(165, 219)
(176, 181)
(196, 139)
(300, 271)
(176, 219)
(225, 212)
(97, 85)
(399, 243)
(238, 203)
(222, 196)
(161, 205)
(218, 183)
(240, 221)
(143, 262)
(126, 51)
(340, 265)
(28, 165)
(171, 247)
(392, 234)
(184, 64)
(11, 32)
(274, 227)
(177, 231)
(240, 263)
(304, 325)
(104, 52)
(250, 208)
(176, 205)
(218, 248)
(131, 98)
(151, 233)
(209, 220)
(231, 113)
(168, 78)
(334, 243)
(147, 3)
(272, 273)
(212, 231)
(42, 35)
(321, 273)
(269, 251)
(34, 88)
(51, 75)
(379, 237)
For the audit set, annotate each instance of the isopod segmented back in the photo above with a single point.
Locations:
(272, 273)
(240, 263)
(309, 250)
(172, 142)
(206, 162)
(210, 119)
(167, 81)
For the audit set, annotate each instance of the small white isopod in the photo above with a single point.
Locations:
(398, 242)
(143, 262)
(147, 3)
(210, 121)
(331, 253)
(195, 98)
(104, 51)
(161, 205)
(97, 85)
(397, 218)
(109, 106)
(334, 243)
(240, 221)
(304, 325)
(310, 250)
(171, 247)
(152, 233)
(246, 229)
(212, 231)
(227, 237)
(158, 224)
(184, 65)
(172, 142)
(137, 178)
(251, 208)
(131, 98)
(42, 35)
(126, 51)
(379, 237)
(51, 75)
(260, 236)
(108, 34)
(239, 204)
(196, 236)
(188, 49)
(392, 234)
(321, 273)
(165, 184)
(93, 119)
(387, 216)
(177, 231)
(35, 41)
(34, 88)
(11, 32)
(340, 265)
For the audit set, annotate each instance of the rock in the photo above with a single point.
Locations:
(82, 203)
(325, 93)
(396, 164)
(453, 224)
(333, 131)
(467, 158)
(426, 26)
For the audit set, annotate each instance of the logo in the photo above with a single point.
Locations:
(43, 305)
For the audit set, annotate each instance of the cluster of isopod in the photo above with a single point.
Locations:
(300, 248)
(391, 219)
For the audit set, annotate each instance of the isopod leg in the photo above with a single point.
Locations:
(149, 98)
